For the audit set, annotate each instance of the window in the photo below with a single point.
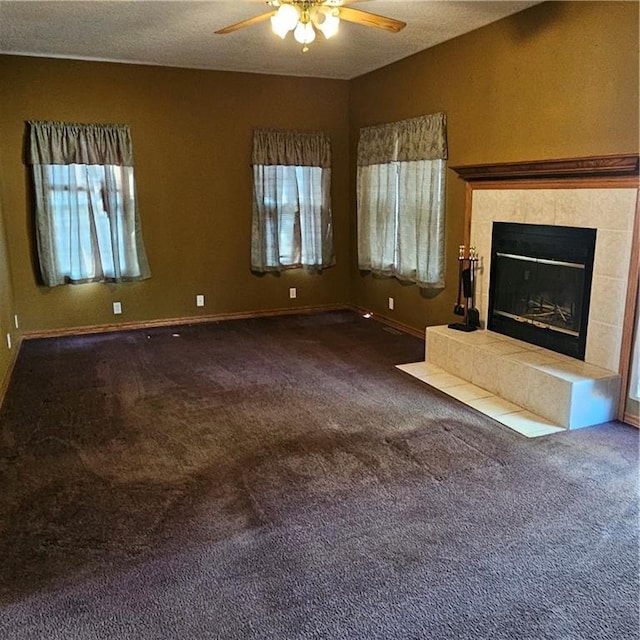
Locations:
(400, 197)
(292, 226)
(87, 226)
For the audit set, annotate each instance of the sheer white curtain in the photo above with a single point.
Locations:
(87, 226)
(400, 196)
(292, 224)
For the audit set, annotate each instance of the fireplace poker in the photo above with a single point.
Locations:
(458, 309)
(473, 315)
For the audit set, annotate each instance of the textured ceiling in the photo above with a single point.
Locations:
(181, 34)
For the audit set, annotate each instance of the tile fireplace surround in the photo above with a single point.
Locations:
(609, 211)
(525, 387)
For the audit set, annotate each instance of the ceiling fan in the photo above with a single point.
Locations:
(306, 17)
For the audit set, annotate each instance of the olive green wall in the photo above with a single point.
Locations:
(7, 326)
(191, 135)
(557, 80)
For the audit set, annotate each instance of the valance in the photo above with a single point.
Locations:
(63, 143)
(294, 148)
(421, 138)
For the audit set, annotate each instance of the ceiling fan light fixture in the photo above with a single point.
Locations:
(285, 19)
(326, 20)
(304, 33)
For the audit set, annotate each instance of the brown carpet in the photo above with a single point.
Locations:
(279, 478)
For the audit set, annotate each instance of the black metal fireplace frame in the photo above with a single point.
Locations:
(546, 242)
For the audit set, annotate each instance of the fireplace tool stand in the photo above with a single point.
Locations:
(467, 270)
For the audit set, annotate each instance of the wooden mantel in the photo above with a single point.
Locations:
(625, 165)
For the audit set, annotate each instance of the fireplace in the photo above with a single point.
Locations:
(540, 284)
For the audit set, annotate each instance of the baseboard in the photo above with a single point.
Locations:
(4, 386)
(168, 322)
(629, 418)
(405, 328)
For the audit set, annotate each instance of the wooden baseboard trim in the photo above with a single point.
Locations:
(394, 324)
(629, 418)
(168, 322)
(4, 386)
(219, 317)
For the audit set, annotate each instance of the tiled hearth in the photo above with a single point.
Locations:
(526, 388)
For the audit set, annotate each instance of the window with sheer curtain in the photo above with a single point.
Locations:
(400, 199)
(292, 225)
(87, 225)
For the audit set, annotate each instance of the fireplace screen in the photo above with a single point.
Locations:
(541, 283)
(547, 293)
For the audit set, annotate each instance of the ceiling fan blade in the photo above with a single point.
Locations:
(371, 19)
(245, 23)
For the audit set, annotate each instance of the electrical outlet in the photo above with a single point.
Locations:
(292, 292)
(391, 303)
(15, 321)
(8, 341)
(117, 308)
(199, 300)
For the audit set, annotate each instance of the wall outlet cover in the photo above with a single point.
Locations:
(293, 292)
(117, 308)
(199, 300)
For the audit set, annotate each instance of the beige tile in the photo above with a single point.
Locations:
(528, 424)
(456, 339)
(603, 345)
(538, 206)
(574, 370)
(483, 206)
(616, 207)
(467, 392)
(613, 251)
(481, 235)
(476, 338)
(596, 208)
(549, 397)
(607, 300)
(460, 359)
(443, 380)
(493, 406)
(578, 208)
(533, 356)
(485, 369)
(495, 204)
(522, 346)
(512, 205)
(420, 369)
(505, 347)
(436, 349)
(513, 381)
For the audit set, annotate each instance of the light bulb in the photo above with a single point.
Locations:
(285, 19)
(304, 33)
(277, 27)
(327, 20)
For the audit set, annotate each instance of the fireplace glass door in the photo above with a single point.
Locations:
(540, 284)
(547, 293)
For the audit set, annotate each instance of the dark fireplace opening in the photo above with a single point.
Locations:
(540, 284)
